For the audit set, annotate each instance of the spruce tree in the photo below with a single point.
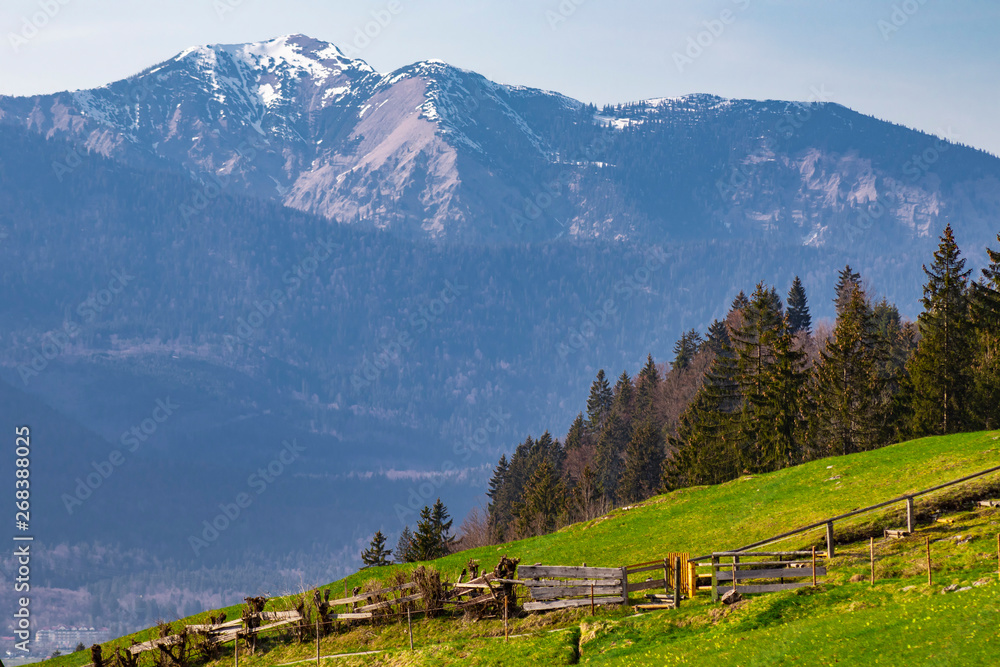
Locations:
(850, 396)
(376, 555)
(718, 338)
(432, 539)
(753, 341)
(685, 349)
(575, 437)
(985, 301)
(624, 396)
(985, 297)
(425, 543)
(608, 461)
(740, 301)
(941, 367)
(783, 435)
(643, 463)
(848, 281)
(599, 402)
(404, 547)
(704, 448)
(544, 502)
(798, 309)
(442, 525)
(551, 450)
(646, 390)
(499, 507)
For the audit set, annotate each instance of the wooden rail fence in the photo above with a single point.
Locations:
(828, 523)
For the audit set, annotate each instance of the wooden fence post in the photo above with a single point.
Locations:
(592, 612)
(715, 579)
(624, 571)
(814, 566)
(236, 649)
(409, 625)
(317, 637)
(829, 539)
(736, 562)
(871, 553)
(927, 542)
(506, 633)
(666, 575)
(677, 582)
(909, 514)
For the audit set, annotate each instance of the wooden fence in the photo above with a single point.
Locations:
(828, 523)
(766, 576)
(360, 606)
(560, 587)
(676, 582)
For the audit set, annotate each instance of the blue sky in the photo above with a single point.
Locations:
(928, 64)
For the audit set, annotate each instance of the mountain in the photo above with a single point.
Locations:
(433, 151)
(403, 274)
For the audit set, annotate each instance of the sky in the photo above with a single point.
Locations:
(927, 64)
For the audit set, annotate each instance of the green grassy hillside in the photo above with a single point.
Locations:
(838, 622)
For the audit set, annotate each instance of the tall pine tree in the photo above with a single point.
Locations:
(754, 342)
(941, 368)
(850, 395)
(799, 318)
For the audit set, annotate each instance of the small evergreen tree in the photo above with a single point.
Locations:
(404, 547)
(442, 527)
(376, 555)
(941, 367)
(798, 309)
(433, 539)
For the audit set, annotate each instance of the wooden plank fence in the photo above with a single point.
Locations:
(562, 587)
(768, 575)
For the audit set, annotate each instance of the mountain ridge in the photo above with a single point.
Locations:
(434, 151)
